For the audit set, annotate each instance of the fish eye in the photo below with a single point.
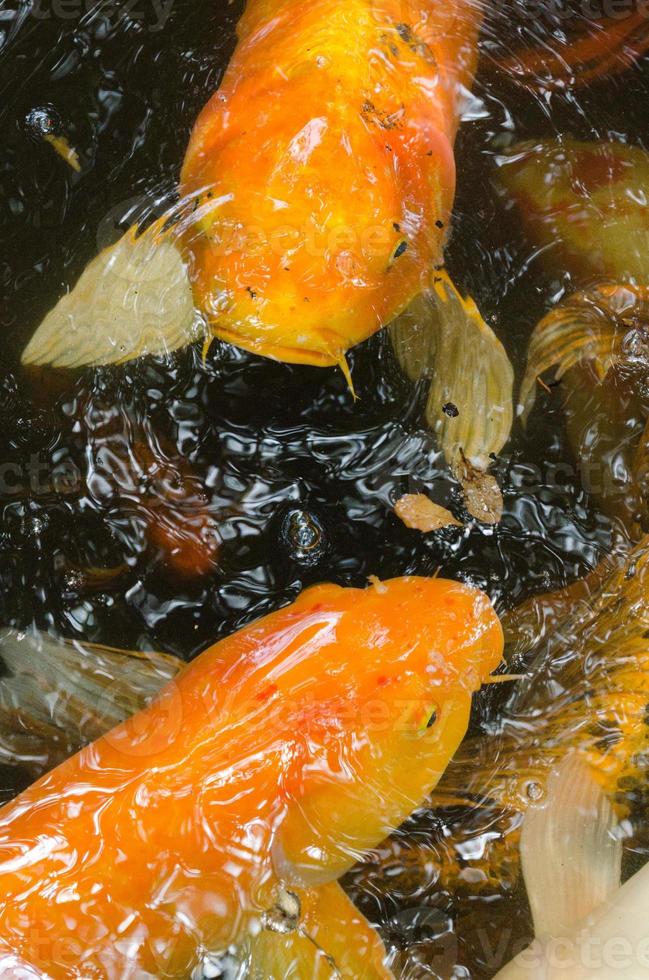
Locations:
(432, 718)
(398, 250)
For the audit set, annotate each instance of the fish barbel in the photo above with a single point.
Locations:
(273, 761)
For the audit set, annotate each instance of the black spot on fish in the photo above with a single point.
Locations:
(405, 32)
(396, 226)
(451, 410)
(439, 223)
(382, 117)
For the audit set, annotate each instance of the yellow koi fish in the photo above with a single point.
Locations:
(585, 206)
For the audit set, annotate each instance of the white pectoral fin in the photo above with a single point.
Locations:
(610, 944)
(571, 856)
(329, 940)
(570, 852)
(470, 400)
(134, 298)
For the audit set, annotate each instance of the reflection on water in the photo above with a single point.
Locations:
(277, 477)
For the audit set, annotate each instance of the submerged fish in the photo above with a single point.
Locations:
(586, 690)
(585, 206)
(268, 766)
(603, 46)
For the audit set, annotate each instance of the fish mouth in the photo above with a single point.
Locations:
(329, 353)
(277, 352)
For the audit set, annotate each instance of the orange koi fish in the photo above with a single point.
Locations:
(266, 767)
(316, 189)
(316, 192)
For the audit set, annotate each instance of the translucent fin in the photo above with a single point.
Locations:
(596, 341)
(57, 695)
(592, 325)
(570, 853)
(470, 403)
(617, 923)
(609, 46)
(529, 623)
(134, 298)
(330, 939)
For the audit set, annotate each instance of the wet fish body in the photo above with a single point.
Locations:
(274, 759)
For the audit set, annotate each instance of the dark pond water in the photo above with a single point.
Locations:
(275, 450)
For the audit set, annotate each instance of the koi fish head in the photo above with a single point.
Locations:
(584, 203)
(367, 695)
(318, 206)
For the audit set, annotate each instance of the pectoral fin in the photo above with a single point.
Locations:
(331, 939)
(134, 298)
(57, 695)
(470, 401)
(571, 855)
(590, 326)
(570, 852)
(593, 342)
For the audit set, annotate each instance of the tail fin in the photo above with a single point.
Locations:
(57, 695)
(609, 46)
